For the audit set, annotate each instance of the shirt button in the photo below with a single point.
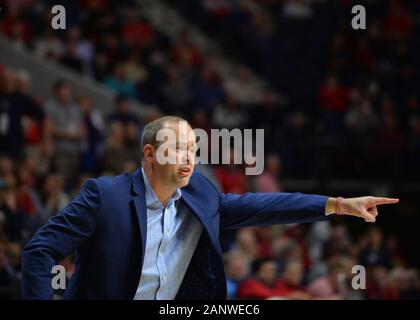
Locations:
(164, 278)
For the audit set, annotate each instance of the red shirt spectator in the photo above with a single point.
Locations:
(256, 289)
(261, 286)
(231, 177)
(13, 27)
(398, 21)
(286, 289)
(333, 96)
(138, 32)
(266, 285)
(185, 52)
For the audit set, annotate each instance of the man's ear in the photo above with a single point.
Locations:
(148, 151)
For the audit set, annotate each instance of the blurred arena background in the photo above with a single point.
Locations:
(340, 109)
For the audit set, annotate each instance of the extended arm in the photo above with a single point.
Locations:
(256, 209)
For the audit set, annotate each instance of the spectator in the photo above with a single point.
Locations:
(33, 121)
(361, 118)
(176, 93)
(297, 9)
(123, 113)
(339, 241)
(83, 48)
(395, 254)
(290, 284)
(246, 244)
(119, 83)
(334, 98)
(268, 181)
(207, 92)
(8, 275)
(236, 271)
(13, 215)
(53, 196)
(375, 252)
(377, 287)
(264, 236)
(14, 27)
(334, 285)
(317, 237)
(241, 87)
(68, 130)
(227, 115)
(398, 21)
(230, 176)
(95, 126)
(262, 284)
(132, 147)
(70, 57)
(49, 46)
(114, 156)
(412, 291)
(136, 31)
(134, 70)
(14, 106)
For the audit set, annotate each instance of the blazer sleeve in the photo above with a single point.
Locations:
(258, 209)
(59, 237)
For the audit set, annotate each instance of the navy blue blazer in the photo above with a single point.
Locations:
(106, 224)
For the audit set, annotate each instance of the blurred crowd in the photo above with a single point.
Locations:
(349, 92)
(318, 262)
(347, 96)
(358, 106)
(48, 149)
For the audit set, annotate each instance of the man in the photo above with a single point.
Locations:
(67, 129)
(15, 104)
(153, 233)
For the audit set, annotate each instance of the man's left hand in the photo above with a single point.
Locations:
(362, 207)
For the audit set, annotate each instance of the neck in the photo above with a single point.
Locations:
(162, 190)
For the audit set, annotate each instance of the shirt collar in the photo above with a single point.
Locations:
(152, 200)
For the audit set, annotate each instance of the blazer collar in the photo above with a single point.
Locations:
(190, 197)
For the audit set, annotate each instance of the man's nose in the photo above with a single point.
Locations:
(185, 158)
(190, 157)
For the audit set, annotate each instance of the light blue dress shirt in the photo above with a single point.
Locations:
(172, 236)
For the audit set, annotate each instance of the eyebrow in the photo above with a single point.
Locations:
(190, 145)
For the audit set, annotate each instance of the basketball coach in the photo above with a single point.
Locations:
(154, 233)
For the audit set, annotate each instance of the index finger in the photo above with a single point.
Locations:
(379, 200)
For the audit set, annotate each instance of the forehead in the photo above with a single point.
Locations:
(182, 130)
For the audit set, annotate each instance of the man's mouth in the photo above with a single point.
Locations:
(185, 172)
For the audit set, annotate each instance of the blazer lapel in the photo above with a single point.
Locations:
(139, 200)
(199, 209)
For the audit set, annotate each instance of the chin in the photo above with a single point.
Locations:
(184, 182)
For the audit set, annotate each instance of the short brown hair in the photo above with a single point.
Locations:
(151, 129)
